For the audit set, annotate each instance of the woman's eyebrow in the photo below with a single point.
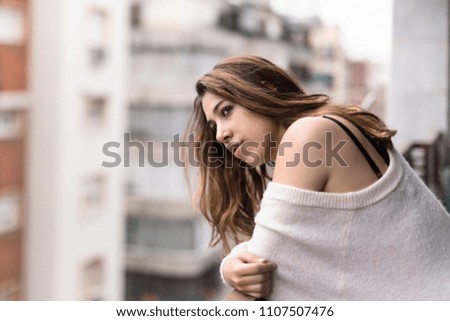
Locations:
(215, 109)
(217, 106)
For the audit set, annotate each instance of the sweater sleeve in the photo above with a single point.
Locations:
(236, 250)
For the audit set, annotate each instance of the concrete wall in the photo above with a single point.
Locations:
(419, 98)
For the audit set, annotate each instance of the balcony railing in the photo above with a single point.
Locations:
(432, 163)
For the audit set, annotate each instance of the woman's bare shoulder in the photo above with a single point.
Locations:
(312, 125)
(301, 158)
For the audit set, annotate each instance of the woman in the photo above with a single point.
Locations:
(343, 218)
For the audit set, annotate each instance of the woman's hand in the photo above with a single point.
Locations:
(249, 274)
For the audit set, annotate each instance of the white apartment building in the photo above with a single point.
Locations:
(75, 228)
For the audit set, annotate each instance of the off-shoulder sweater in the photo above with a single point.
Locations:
(389, 241)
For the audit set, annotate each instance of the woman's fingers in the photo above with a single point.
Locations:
(260, 290)
(258, 286)
(253, 279)
(249, 269)
(250, 274)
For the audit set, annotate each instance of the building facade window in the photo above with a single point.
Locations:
(93, 193)
(229, 18)
(93, 280)
(12, 26)
(9, 213)
(96, 111)
(303, 72)
(10, 290)
(158, 233)
(323, 80)
(328, 53)
(136, 13)
(251, 21)
(97, 23)
(157, 124)
(9, 124)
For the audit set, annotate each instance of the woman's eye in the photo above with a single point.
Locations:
(226, 110)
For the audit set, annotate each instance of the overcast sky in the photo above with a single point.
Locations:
(366, 25)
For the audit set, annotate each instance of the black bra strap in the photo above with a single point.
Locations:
(359, 145)
(380, 149)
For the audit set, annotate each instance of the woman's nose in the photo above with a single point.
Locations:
(223, 135)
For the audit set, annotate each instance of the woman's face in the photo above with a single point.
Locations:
(251, 137)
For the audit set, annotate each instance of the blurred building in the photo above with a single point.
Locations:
(14, 104)
(419, 101)
(328, 65)
(357, 80)
(75, 225)
(367, 84)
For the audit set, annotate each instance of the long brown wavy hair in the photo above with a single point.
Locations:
(229, 192)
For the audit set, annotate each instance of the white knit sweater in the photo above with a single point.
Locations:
(389, 241)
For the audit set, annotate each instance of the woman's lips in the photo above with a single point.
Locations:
(234, 148)
(237, 151)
